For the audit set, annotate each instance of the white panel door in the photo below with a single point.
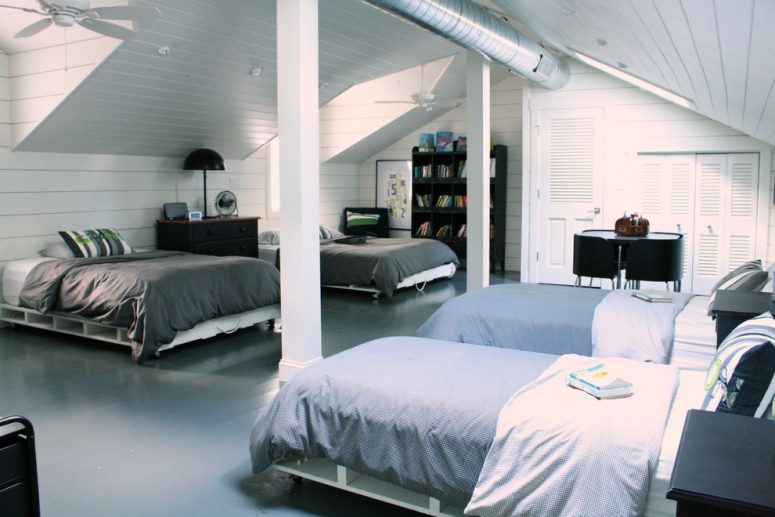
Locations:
(726, 215)
(569, 164)
(666, 188)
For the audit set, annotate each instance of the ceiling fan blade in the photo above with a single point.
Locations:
(107, 29)
(124, 12)
(33, 29)
(25, 9)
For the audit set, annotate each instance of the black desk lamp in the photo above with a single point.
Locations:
(204, 160)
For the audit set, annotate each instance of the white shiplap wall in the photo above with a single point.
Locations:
(636, 121)
(506, 124)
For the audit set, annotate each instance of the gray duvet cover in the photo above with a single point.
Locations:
(416, 412)
(543, 318)
(155, 294)
(383, 263)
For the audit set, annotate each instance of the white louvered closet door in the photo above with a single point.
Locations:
(667, 200)
(570, 190)
(726, 214)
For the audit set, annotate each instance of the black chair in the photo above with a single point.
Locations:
(594, 257)
(18, 468)
(656, 260)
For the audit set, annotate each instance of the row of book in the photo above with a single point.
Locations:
(448, 201)
(444, 201)
(443, 170)
(426, 230)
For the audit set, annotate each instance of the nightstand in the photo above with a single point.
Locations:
(215, 236)
(725, 466)
(731, 308)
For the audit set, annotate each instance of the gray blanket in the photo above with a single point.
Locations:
(381, 262)
(543, 318)
(416, 412)
(154, 295)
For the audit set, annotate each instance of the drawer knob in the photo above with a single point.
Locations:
(242, 229)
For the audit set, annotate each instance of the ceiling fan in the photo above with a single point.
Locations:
(66, 13)
(425, 98)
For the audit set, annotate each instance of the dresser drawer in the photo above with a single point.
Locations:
(13, 463)
(239, 247)
(224, 230)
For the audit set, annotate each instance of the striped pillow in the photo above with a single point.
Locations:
(741, 378)
(358, 219)
(102, 242)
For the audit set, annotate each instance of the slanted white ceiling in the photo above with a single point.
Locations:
(202, 93)
(718, 54)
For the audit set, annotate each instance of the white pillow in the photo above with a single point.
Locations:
(57, 250)
(269, 237)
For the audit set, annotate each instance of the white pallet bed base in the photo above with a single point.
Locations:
(417, 280)
(83, 327)
(328, 473)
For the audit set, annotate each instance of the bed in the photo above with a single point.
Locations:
(562, 319)
(374, 263)
(418, 422)
(151, 301)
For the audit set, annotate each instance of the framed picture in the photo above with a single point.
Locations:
(394, 192)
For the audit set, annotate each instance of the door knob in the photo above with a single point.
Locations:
(678, 227)
(595, 211)
(710, 228)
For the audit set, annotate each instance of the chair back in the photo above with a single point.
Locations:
(378, 227)
(593, 257)
(656, 260)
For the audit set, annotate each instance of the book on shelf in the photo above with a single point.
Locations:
(492, 167)
(444, 231)
(462, 231)
(600, 381)
(461, 167)
(424, 230)
(653, 297)
(427, 142)
(444, 140)
(462, 143)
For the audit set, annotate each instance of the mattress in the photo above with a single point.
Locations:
(450, 455)
(15, 273)
(694, 344)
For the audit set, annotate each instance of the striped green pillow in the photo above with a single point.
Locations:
(357, 219)
(102, 242)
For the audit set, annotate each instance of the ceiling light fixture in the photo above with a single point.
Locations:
(640, 83)
(164, 51)
(255, 72)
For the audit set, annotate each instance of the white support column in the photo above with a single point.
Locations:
(298, 128)
(478, 170)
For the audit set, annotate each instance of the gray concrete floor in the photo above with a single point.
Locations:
(171, 437)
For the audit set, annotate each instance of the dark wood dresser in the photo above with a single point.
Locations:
(219, 236)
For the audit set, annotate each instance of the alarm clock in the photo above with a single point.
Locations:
(195, 215)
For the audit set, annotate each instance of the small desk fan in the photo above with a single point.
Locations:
(225, 203)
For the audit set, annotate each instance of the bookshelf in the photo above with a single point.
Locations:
(439, 199)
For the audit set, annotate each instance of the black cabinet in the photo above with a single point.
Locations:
(724, 466)
(217, 236)
(440, 200)
(731, 308)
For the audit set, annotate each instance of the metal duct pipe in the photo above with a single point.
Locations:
(472, 26)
